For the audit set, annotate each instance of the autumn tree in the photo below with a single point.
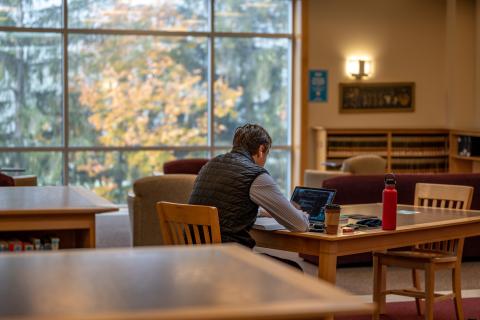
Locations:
(137, 91)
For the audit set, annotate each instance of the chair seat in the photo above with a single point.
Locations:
(418, 255)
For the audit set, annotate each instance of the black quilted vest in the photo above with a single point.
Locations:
(224, 182)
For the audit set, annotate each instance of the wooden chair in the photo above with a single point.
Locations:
(429, 256)
(188, 224)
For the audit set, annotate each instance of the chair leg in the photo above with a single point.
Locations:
(429, 291)
(416, 284)
(379, 284)
(457, 290)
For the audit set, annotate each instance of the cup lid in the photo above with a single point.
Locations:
(332, 206)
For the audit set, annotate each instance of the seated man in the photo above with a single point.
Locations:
(237, 184)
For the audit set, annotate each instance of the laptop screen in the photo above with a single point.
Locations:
(313, 201)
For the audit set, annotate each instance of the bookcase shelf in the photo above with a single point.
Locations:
(466, 158)
(406, 150)
(464, 151)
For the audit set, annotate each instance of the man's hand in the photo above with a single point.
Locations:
(297, 206)
(263, 213)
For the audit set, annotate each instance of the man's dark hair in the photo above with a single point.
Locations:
(250, 136)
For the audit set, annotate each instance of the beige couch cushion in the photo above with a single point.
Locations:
(364, 164)
(147, 192)
(361, 164)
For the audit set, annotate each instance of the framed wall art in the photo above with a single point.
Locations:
(381, 97)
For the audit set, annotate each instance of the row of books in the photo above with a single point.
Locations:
(384, 138)
(45, 243)
(420, 152)
(432, 138)
(351, 153)
(357, 144)
(357, 138)
(416, 144)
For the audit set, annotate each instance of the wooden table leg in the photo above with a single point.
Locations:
(379, 286)
(327, 270)
(91, 240)
(327, 267)
(86, 237)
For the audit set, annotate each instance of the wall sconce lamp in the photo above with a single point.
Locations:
(359, 67)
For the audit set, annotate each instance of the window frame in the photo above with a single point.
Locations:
(211, 35)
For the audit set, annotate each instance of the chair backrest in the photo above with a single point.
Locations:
(188, 224)
(147, 191)
(444, 196)
(364, 164)
(187, 166)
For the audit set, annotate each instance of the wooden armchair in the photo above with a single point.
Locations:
(147, 191)
(188, 224)
(429, 256)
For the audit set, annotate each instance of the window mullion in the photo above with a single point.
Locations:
(211, 80)
(65, 152)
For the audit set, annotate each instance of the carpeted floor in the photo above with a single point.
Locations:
(444, 310)
(113, 229)
(358, 280)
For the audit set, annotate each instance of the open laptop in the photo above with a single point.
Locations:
(310, 200)
(313, 201)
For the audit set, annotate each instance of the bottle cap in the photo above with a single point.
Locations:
(390, 179)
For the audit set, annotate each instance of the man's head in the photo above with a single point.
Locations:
(254, 139)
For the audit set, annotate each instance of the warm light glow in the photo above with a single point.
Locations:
(359, 67)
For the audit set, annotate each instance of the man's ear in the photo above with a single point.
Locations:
(261, 150)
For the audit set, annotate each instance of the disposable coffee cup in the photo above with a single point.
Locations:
(332, 218)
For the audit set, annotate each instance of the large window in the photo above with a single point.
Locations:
(100, 93)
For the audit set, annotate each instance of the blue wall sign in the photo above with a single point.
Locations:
(318, 86)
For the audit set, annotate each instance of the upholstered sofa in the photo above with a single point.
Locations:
(189, 166)
(354, 189)
(361, 164)
(147, 192)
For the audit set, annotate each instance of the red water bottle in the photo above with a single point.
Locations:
(389, 196)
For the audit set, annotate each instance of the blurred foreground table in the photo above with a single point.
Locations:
(177, 282)
(65, 211)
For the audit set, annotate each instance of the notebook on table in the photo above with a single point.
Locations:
(310, 200)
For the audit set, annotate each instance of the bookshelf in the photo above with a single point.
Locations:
(464, 151)
(406, 150)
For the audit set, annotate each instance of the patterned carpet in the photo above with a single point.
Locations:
(444, 310)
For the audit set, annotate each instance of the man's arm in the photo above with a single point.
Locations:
(264, 192)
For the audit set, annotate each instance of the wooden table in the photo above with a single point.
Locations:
(421, 226)
(176, 282)
(68, 212)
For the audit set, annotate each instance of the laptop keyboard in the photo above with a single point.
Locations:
(316, 226)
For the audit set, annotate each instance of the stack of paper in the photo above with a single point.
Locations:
(264, 223)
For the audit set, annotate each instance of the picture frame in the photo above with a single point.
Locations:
(377, 97)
